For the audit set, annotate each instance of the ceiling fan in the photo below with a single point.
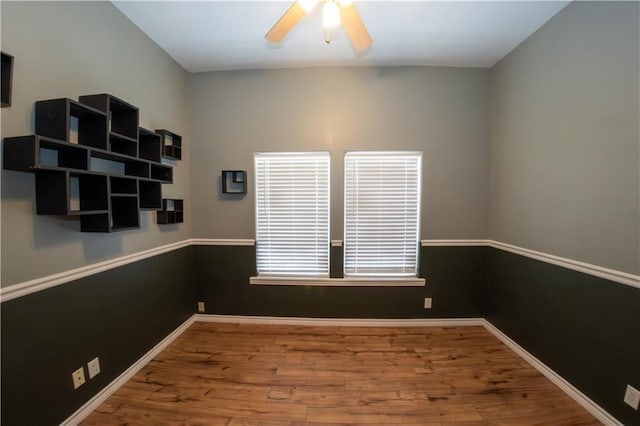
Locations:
(334, 12)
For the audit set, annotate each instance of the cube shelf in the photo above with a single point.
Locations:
(172, 211)
(122, 122)
(69, 193)
(149, 145)
(150, 195)
(171, 144)
(91, 159)
(162, 173)
(29, 153)
(234, 182)
(122, 186)
(122, 116)
(124, 213)
(123, 145)
(130, 166)
(71, 121)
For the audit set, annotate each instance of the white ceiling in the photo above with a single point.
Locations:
(229, 35)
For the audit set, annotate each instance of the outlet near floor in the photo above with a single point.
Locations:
(200, 306)
(427, 303)
(93, 367)
(78, 378)
(632, 397)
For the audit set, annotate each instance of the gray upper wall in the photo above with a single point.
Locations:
(564, 138)
(563, 133)
(68, 49)
(443, 112)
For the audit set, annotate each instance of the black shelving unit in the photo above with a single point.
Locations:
(70, 193)
(172, 211)
(7, 79)
(92, 160)
(149, 145)
(30, 153)
(171, 144)
(150, 194)
(67, 120)
(122, 122)
(122, 186)
(162, 173)
(234, 182)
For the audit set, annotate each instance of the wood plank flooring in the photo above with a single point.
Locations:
(244, 374)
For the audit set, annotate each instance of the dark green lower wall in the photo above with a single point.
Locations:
(117, 315)
(454, 279)
(585, 328)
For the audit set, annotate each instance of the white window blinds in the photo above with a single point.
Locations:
(382, 213)
(292, 214)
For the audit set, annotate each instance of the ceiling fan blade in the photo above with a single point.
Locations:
(286, 22)
(355, 29)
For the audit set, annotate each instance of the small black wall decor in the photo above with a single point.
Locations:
(234, 182)
(7, 79)
(172, 211)
(171, 144)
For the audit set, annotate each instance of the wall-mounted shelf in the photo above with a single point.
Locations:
(234, 182)
(71, 193)
(171, 144)
(172, 211)
(92, 161)
(122, 122)
(7, 79)
(70, 121)
(149, 145)
(150, 194)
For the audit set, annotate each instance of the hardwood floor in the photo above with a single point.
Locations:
(242, 374)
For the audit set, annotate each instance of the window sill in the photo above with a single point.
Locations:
(340, 282)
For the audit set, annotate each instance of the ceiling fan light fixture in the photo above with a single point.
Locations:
(335, 13)
(307, 5)
(330, 14)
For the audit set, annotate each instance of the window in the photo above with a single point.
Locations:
(381, 213)
(292, 214)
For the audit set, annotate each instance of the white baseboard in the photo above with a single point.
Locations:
(593, 408)
(106, 392)
(344, 322)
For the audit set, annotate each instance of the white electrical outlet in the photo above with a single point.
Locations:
(427, 303)
(78, 378)
(200, 306)
(632, 397)
(93, 367)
